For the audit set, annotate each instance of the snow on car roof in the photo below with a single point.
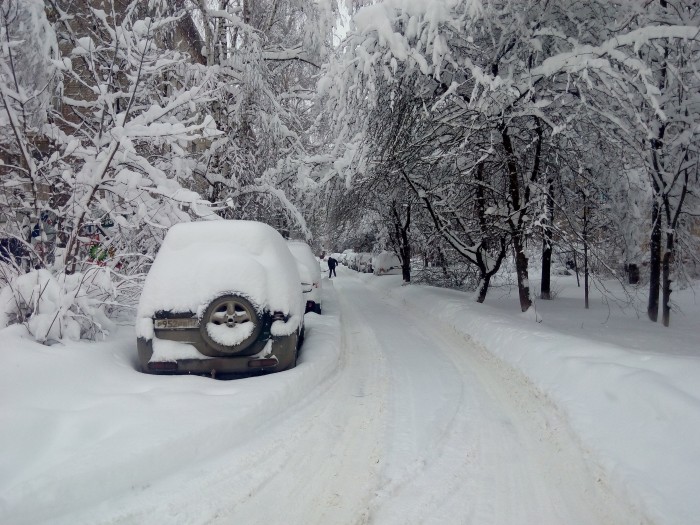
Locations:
(200, 261)
(309, 268)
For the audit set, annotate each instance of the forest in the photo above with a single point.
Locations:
(476, 139)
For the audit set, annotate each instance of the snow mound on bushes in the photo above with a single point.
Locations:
(59, 306)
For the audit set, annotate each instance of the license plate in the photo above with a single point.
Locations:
(176, 324)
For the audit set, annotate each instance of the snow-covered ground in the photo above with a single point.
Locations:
(629, 388)
(408, 406)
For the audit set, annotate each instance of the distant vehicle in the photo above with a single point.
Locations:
(222, 297)
(386, 263)
(310, 273)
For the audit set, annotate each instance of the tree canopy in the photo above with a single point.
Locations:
(475, 135)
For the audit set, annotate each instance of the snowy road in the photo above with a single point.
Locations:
(416, 426)
(462, 438)
(408, 423)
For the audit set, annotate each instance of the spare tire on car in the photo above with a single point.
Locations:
(230, 324)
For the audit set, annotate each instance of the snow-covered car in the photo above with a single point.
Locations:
(386, 263)
(346, 257)
(363, 262)
(351, 260)
(310, 273)
(222, 297)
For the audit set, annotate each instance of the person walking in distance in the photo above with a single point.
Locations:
(332, 263)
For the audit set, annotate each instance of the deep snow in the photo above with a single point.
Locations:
(628, 387)
(379, 423)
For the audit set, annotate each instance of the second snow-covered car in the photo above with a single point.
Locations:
(386, 263)
(222, 297)
(310, 273)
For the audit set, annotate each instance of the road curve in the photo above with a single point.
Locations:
(415, 425)
(467, 439)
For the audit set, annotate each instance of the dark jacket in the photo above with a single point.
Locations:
(332, 263)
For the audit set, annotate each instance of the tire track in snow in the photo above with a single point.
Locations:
(328, 472)
(498, 451)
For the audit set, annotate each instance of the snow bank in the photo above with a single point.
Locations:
(638, 411)
(59, 306)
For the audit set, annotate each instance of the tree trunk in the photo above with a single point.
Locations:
(483, 288)
(654, 264)
(521, 271)
(486, 271)
(406, 251)
(666, 284)
(657, 181)
(517, 226)
(546, 286)
(402, 238)
(585, 273)
(585, 254)
(406, 263)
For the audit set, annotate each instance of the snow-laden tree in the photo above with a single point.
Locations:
(665, 126)
(28, 53)
(110, 153)
(589, 216)
(265, 55)
(381, 210)
(438, 61)
(505, 78)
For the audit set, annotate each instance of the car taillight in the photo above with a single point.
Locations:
(261, 363)
(279, 316)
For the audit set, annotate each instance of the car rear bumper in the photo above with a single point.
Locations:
(281, 355)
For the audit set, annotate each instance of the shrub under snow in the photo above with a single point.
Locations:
(59, 306)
